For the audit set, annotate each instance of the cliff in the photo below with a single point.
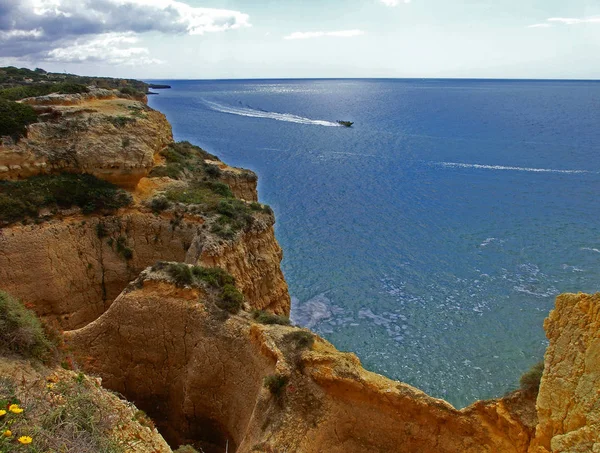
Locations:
(204, 347)
(568, 404)
(200, 376)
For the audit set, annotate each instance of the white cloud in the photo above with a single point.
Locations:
(43, 29)
(567, 21)
(393, 2)
(319, 34)
(111, 48)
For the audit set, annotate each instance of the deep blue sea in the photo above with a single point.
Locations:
(431, 237)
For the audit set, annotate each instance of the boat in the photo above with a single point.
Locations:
(346, 123)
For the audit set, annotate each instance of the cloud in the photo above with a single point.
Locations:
(393, 2)
(567, 21)
(319, 34)
(111, 48)
(49, 29)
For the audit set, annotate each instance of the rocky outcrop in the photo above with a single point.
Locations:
(254, 261)
(71, 269)
(114, 139)
(200, 375)
(242, 182)
(568, 403)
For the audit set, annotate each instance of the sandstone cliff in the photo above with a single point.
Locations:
(568, 404)
(207, 374)
(200, 376)
(82, 262)
(114, 138)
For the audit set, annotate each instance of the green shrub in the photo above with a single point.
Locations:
(264, 317)
(183, 156)
(230, 299)
(159, 204)
(14, 118)
(132, 92)
(530, 381)
(212, 170)
(123, 250)
(20, 200)
(213, 276)
(181, 274)
(21, 332)
(300, 339)
(275, 383)
(27, 91)
(120, 121)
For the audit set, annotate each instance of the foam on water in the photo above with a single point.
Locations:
(254, 113)
(509, 168)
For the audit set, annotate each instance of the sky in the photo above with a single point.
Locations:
(222, 39)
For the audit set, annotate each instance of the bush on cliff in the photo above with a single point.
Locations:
(275, 383)
(228, 298)
(182, 157)
(14, 118)
(264, 317)
(530, 381)
(21, 332)
(20, 200)
(29, 91)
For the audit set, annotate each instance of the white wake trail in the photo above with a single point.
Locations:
(507, 168)
(287, 117)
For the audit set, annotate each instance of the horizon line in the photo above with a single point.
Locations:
(516, 79)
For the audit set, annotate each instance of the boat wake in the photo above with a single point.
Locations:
(506, 168)
(254, 113)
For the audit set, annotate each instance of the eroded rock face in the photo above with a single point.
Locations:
(568, 403)
(201, 376)
(71, 269)
(254, 261)
(114, 139)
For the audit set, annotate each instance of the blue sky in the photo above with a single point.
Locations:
(293, 38)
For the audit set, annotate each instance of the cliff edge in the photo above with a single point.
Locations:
(161, 268)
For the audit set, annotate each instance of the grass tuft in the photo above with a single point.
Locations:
(21, 332)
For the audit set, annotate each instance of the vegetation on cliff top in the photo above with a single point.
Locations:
(11, 76)
(14, 118)
(228, 297)
(21, 332)
(52, 410)
(28, 91)
(183, 158)
(23, 200)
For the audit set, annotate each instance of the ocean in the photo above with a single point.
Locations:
(432, 237)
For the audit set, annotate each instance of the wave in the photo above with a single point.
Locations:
(255, 113)
(507, 168)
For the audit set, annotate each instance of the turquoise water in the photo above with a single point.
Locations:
(431, 237)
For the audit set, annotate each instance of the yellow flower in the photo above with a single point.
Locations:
(7, 433)
(2, 413)
(50, 386)
(15, 409)
(25, 440)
